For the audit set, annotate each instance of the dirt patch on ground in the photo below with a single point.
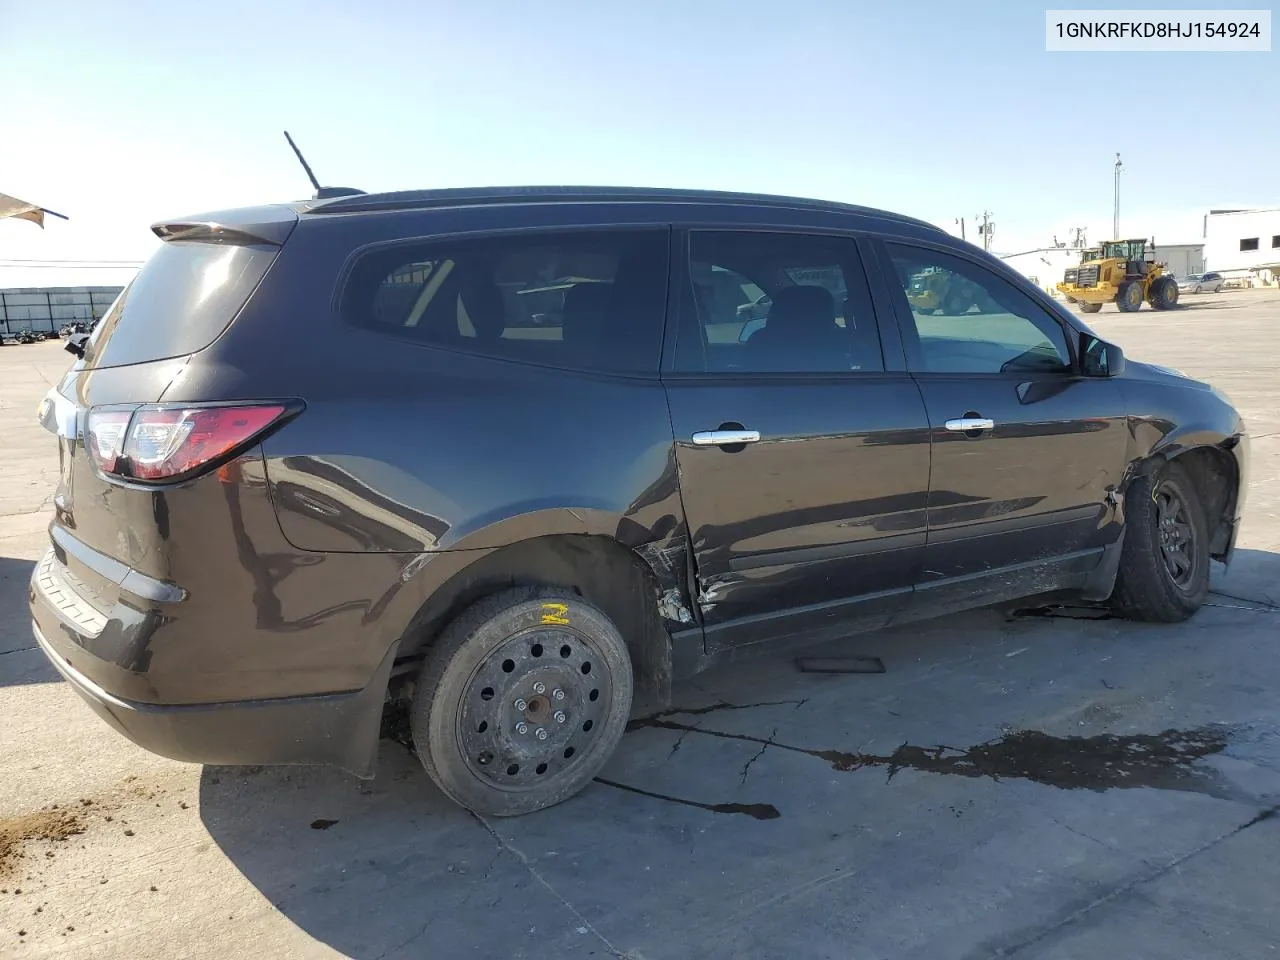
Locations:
(15, 832)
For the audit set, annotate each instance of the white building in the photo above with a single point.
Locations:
(1044, 267)
(1181, 259)
(1243, 242)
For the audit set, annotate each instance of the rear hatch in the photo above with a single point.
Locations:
(179, 303)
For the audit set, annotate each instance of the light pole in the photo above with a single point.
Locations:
(986, 229)
(1115, 216)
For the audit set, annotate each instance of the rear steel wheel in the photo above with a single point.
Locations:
(533, 708)
(521, 700)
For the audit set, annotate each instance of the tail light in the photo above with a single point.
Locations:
(155, 444)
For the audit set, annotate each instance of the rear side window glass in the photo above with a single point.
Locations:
(179, 302)
(777, 303)
(593, 300)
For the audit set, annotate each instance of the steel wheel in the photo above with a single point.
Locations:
(531, 708)
(1177, 536)
(521, 700)
(1163, 576)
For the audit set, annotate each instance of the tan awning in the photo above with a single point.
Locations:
(21, 210)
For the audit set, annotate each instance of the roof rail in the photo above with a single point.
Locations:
(465, 196)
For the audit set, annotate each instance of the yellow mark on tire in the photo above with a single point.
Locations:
(555, 613)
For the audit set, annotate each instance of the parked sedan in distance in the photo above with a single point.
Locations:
(1201, 283)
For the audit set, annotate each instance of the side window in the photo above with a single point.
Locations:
(777, 302)
(592, 300)
(969, 320)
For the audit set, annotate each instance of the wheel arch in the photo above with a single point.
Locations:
(1216, 473)
(641, 589)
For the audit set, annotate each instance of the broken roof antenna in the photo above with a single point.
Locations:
(322, 193)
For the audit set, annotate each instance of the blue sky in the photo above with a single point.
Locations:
(119, 114)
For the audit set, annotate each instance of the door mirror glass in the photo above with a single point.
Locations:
(1099, 358)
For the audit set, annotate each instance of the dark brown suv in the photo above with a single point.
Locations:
(515, 455)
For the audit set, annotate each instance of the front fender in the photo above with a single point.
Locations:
(1155, 443)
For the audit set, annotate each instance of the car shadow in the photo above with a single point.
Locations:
(369, 868)
(1253, 577)
(390, 867)
(21, 661)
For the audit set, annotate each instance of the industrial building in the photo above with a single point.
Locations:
(1243, 243)
(1181, 259)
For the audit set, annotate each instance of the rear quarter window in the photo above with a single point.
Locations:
(182, 299)
(593, 300)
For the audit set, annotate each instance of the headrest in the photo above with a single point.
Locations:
(805, 307)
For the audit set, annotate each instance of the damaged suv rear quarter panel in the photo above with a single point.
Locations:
(435, 459)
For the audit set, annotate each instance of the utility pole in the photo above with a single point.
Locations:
(1115, 216)
(987, 228)
(960, 220)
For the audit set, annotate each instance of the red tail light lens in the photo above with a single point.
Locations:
(165, 443)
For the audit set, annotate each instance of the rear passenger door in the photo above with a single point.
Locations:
(803, 451)
(1027, 453)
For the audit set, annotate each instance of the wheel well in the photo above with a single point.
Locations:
(599, 569)
(1213, 472)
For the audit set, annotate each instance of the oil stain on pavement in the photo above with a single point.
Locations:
(1165, 761)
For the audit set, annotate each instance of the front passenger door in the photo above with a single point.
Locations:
(1027, 453)
(802, 447)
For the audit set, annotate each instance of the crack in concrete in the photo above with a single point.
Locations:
(1016, 948)
(400, 946)
(546, 885)
(746, 767)
(1080, 833)
(680, 739)
(5, 653)
(656, 719)
(1266, 604)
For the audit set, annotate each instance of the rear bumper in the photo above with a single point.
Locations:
(339, 729)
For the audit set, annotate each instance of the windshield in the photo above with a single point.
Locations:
(1125, 250)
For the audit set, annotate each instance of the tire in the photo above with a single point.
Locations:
(1164, 294)
(1129, 297)
(1089, 307)
(465, 715)
(1147, 587)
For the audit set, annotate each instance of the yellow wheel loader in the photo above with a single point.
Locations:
(1123, 272)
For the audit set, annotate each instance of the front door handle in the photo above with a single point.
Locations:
(725, 438)
(968, 424)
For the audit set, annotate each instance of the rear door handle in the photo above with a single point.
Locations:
(966, 424)
(724, 438)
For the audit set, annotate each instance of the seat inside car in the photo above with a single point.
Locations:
(800, 333)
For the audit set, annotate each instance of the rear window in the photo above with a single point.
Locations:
(593, 300)
(179, 302)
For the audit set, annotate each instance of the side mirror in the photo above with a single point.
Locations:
(76, 343)
(1099, 358)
